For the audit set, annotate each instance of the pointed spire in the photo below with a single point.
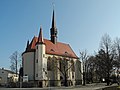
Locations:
(40, 37)
(53, 20)
(27, 45)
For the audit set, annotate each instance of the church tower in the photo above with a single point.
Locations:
(53, 30)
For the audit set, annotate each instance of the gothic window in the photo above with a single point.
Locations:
(73, 67)
(49, 64)
(55, 61)
(36, 60)
(60, 63)
(36, 75)
(73, 75)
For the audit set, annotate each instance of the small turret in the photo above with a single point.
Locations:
(40, 59)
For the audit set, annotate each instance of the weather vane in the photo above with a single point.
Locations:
(53, 4)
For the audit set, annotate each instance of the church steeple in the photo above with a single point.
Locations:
(53, 30)
(40, 37)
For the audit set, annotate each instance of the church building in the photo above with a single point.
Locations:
(50, 62)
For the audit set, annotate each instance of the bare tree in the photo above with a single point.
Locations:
(106, 55)
(83, 58)
(90, 69)
(15, 62)
(117, 57)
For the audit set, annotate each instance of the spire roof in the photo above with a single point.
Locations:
(53, 20)
(27, 45)
(40, 37)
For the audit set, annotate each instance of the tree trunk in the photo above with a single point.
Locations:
(108, 79)
(83, 78)
(65, 83)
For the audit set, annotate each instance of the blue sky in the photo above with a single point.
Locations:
(80, 23)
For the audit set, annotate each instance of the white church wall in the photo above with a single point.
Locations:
(28, 65)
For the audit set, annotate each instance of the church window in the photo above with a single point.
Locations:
(36, 60)
(44, 69)
(73, 75)
(73, 67)
(36, 75)
(49, 64)
(60, 65)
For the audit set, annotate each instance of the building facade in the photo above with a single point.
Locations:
(7, 76)
(49, 62)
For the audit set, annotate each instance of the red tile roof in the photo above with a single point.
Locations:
(59, 48)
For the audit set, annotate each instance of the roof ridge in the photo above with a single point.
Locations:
(57, 42)
(72, 51)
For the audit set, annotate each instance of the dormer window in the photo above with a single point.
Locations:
(52, 50)
(66, 52)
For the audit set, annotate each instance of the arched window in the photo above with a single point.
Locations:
(60, 64)
(54, 60)
(49, 64)
(73, 67)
